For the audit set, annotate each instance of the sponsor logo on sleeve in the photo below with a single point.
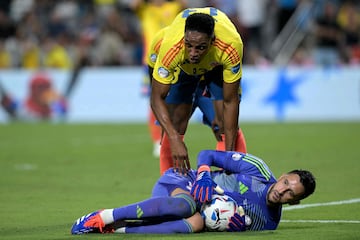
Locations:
(236, 156)
(235, 69)
(163, 72)
(153, 57)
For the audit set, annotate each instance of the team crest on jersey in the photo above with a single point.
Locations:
(153, 57)
(235, 69)
(236, 156)
(163, 72)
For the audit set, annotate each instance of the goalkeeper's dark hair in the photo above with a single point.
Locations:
(200, 22)
(308, 181)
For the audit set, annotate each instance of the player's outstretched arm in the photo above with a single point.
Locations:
(179, 152)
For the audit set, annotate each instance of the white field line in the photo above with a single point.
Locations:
(320, 221)
(355, 200)
(350, 201)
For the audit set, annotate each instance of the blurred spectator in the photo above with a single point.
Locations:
(7, 26)
(5, 57)
(56, 55)
(230, 8)
(301, 57)
(25, 25)
(349, 20)
(112, 46)
(328, 35)
(31, 55)
(104, 7)
(18, 8)
(251, 17)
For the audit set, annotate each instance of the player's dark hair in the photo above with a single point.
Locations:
(308, 181)
(200, 22)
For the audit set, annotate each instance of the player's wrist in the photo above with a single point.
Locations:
(204, 168)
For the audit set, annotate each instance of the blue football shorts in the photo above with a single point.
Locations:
(187, 87)
(171, 180)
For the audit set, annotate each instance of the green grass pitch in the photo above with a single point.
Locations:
(51, 174)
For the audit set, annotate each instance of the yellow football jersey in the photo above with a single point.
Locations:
(226, 50)
(155, 48)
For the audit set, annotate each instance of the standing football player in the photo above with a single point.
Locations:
(201, 46)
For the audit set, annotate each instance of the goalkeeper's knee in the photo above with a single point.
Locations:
(187, 205)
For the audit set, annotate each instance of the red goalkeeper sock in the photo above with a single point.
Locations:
(166, 160)
(240, 144)
(220, 145)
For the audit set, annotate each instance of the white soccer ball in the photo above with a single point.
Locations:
(218, 212)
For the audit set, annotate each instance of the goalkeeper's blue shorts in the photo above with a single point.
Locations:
(171, 180)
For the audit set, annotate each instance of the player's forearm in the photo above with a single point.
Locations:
(162, 116)
(211, 158)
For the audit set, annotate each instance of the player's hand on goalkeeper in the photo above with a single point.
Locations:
(203, 186)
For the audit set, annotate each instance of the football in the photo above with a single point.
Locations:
(218, 212)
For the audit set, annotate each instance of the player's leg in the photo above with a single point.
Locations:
(155, 133)
(154, 129)
(215, 86)
(240, 144)
(170, 201)
(192, 224)
(153, 209)
(174, 185)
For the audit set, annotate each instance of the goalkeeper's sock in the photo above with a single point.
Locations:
(220, 145)
(177, 226)
(240, 144)
(107, 216)
(176, 207)
(166, 160)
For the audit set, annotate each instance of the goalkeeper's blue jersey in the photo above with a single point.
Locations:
(246, 179)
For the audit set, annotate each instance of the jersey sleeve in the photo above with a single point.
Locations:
(236, 162)
(229, 44)
(155, 48)
(171, 51)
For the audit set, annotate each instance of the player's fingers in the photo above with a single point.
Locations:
(187, 162)
(208, 195)
(183, 166)
(241, 211)
(175, 164)
(200, 195)
(203, 194)
(231, 227)
(196, 192)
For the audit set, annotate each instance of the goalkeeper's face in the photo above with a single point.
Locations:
(288, 189)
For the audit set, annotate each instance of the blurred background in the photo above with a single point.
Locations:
(301, 59)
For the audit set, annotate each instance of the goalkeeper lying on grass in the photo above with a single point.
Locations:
(176, 199)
